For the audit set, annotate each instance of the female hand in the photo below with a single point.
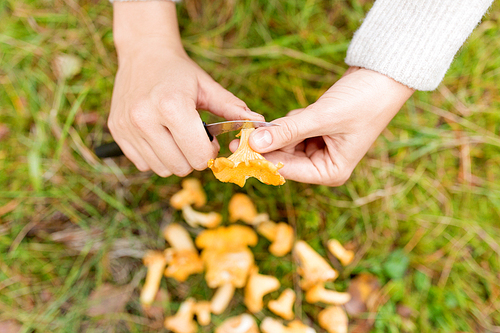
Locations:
(322, 143)
(158, 89)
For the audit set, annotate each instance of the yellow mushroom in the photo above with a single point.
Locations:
(226, 255)
(243, 323)
(313, 268)
(344, 256)
(318, 293)
(221, 298)
(203, 312)
(242, 208)
(182, 258)
(191, 193)
(297, 326)
(257, 286)
(196, 219)
(333, 319)
(271, 325)
(233, 236)
(283, 305)
(246, 163)
(280, 234)
(155, 262)
(182, 321)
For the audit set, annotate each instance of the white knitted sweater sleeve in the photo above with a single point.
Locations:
(414, 41)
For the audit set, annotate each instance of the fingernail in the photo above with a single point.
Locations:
(262, 139)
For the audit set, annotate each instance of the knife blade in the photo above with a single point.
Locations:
(112, 149)
(233, 125)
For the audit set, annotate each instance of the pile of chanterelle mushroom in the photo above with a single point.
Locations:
(228, 264)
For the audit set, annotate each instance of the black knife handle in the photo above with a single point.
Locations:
(108, 150)
(210, 136)
(112, 149)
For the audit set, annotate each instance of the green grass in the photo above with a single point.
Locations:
(422, 208)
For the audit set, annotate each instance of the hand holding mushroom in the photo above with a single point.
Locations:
(322, 143)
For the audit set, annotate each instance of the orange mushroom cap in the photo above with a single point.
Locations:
(182, 264)
(246, 163)
(226, 255)
(241, 207)
(192, 193)
(233, 236)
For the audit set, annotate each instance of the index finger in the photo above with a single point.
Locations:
(187, 129)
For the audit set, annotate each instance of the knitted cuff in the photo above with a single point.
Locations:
(414, 42)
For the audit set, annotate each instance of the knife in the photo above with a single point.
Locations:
(113, 150)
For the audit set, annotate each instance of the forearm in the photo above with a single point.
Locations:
(139, 24)
(414, 42)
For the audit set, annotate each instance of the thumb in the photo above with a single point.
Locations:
(292, 130)
(214, 98)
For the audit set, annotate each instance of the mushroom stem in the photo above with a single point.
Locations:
(182, 321)
(221, 298)
(318, 293)
(257, 286)
(178, 237)
(344, 256)
(283, 306)
(196, 219)
(155, 262)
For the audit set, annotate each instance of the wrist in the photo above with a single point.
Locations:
(139, 25)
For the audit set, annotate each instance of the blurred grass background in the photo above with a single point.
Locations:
(422, 209)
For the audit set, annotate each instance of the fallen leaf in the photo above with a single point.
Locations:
(108, 299)
(88, 118)
(65, 66)
(363, 290)
(10, 326)
(156, 310)
(8, 207)
(4, 131)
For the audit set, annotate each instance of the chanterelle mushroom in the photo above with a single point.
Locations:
(155, 262)
(203, 313)
(246, 163)
(182, 258)
(195, 219)
(182, 321)
(283, 305)
(271, 325)
(280, 234)
(318, 293)
(226, 255)
(243, 323)
(191, 193)
(333, 319)
(344, 256)
(242, 208)
(313, 268)
(257, 286)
